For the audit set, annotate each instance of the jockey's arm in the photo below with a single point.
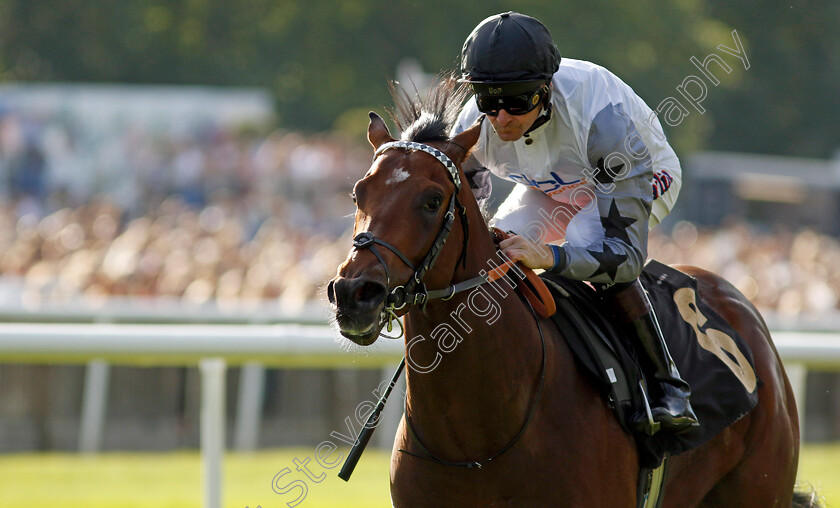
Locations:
(622, 172)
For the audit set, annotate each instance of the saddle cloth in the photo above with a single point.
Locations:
(710, 355)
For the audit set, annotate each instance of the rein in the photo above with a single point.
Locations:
(478, 464)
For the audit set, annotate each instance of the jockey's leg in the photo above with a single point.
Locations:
(635, 312)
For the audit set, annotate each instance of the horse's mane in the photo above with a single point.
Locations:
(430, 118)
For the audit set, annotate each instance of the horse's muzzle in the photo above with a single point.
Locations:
(358, 305)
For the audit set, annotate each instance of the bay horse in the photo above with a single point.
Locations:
(497, 411)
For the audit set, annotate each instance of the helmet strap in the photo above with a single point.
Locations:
(546, 116)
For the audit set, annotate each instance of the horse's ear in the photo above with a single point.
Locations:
(463, 143)
(377, 131)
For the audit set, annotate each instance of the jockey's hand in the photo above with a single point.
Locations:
(532, 255)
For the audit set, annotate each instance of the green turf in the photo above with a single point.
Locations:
(819, 466)
(162, 480)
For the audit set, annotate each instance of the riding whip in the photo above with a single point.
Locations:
(367, 430)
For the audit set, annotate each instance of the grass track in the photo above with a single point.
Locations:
(164, 480)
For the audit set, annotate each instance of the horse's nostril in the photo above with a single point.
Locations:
(331, 292)
(356, 294)
(371, 292)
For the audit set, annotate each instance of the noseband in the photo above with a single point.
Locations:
(414, 291)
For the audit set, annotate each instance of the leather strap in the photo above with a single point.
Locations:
(542, 301)
(427, 455)
(536, 292)
(626, 300)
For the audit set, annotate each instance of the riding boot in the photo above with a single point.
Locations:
(670, 406)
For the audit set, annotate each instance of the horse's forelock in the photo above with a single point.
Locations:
(430, 118)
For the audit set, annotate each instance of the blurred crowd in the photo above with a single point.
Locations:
(235, 215)
(790, 273)
(220, 213)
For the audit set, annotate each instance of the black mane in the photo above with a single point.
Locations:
(428, 119)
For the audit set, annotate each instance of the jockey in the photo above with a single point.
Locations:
(594, 169)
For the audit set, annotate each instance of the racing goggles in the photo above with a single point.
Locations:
(521, 104)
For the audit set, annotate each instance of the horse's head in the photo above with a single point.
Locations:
(407, 205)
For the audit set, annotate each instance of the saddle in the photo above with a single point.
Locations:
(710, 355)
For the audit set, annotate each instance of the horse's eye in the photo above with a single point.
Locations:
(434, 203)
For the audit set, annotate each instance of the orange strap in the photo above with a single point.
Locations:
(542, 301)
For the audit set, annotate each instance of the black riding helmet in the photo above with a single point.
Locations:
(508, 54)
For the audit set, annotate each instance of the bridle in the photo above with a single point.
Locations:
(414, 292)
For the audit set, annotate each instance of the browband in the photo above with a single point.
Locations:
(434, 152)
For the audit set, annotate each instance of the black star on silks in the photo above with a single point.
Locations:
(604, 176)
(608, 262)
(615, 225)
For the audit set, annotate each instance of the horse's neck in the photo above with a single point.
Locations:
(473, 360)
